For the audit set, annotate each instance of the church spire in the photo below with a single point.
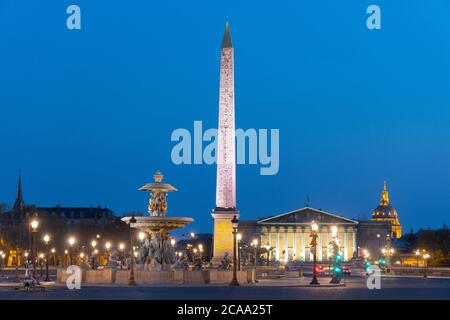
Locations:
(226, 40)
(384, 196)
(19, 203)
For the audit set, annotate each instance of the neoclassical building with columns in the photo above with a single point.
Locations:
(288, 234)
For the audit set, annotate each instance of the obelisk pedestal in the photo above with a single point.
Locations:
(226, 156)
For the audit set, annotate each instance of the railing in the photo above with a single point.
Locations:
(443, 272)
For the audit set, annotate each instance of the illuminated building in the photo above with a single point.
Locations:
(289, 234)
(387, 213)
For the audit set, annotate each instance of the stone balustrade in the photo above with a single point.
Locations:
(175, 276)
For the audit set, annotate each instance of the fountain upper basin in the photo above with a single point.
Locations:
(158, 223)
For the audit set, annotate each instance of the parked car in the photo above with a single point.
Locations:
(346, 270)
(320, 270)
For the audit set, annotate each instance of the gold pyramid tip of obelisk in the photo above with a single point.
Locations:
(226, 41)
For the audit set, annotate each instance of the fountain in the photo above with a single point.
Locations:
(156, 252)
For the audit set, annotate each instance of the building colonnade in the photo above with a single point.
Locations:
(292, 243)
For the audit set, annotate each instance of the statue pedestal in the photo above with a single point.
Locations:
(223, 234)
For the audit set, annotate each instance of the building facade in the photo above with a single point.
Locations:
(289, 235)
(84, 223)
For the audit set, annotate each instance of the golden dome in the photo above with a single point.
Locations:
(385, 212)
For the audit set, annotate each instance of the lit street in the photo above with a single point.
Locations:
(355, 288)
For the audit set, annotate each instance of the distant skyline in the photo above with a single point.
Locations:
(87, 114)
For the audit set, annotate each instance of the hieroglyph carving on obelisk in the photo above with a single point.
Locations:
(226, 149)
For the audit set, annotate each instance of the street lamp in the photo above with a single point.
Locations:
(71, 243)
(46, 240)
(426, 256)
(3, 260)
(239, 238)
(172, 242)
(267, 247)
(255, 244)
(379, 246)
(417, 257)
(131, 281)
(141, 236)
(234, 223)
(122, 254)
(34, 225)
(53, 255)
(94, 259)
(313, 245)
(17, 263)
(41, 257)
(108, 246)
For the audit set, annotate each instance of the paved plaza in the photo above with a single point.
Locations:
(275, 289)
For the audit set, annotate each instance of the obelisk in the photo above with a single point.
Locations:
(226, 156)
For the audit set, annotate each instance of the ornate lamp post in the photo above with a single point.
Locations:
(131, 281)
(3, 259)
(66, 254)
(313, 244)
(267, 247)
(17, 263)
(108, 246)
(46, 240)
(122, 254)
(54, 256)
(337, 258)
(379, 246)
(426, 256)
(41, 257)
(27, 266)
(71, 243)
(93, 244)
(239, 238)
(234, 223)
(417, 257)
(200, 249)
(2, 255)
(34, 225)
(255, 245)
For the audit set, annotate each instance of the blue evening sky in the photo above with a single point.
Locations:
(87, 115)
